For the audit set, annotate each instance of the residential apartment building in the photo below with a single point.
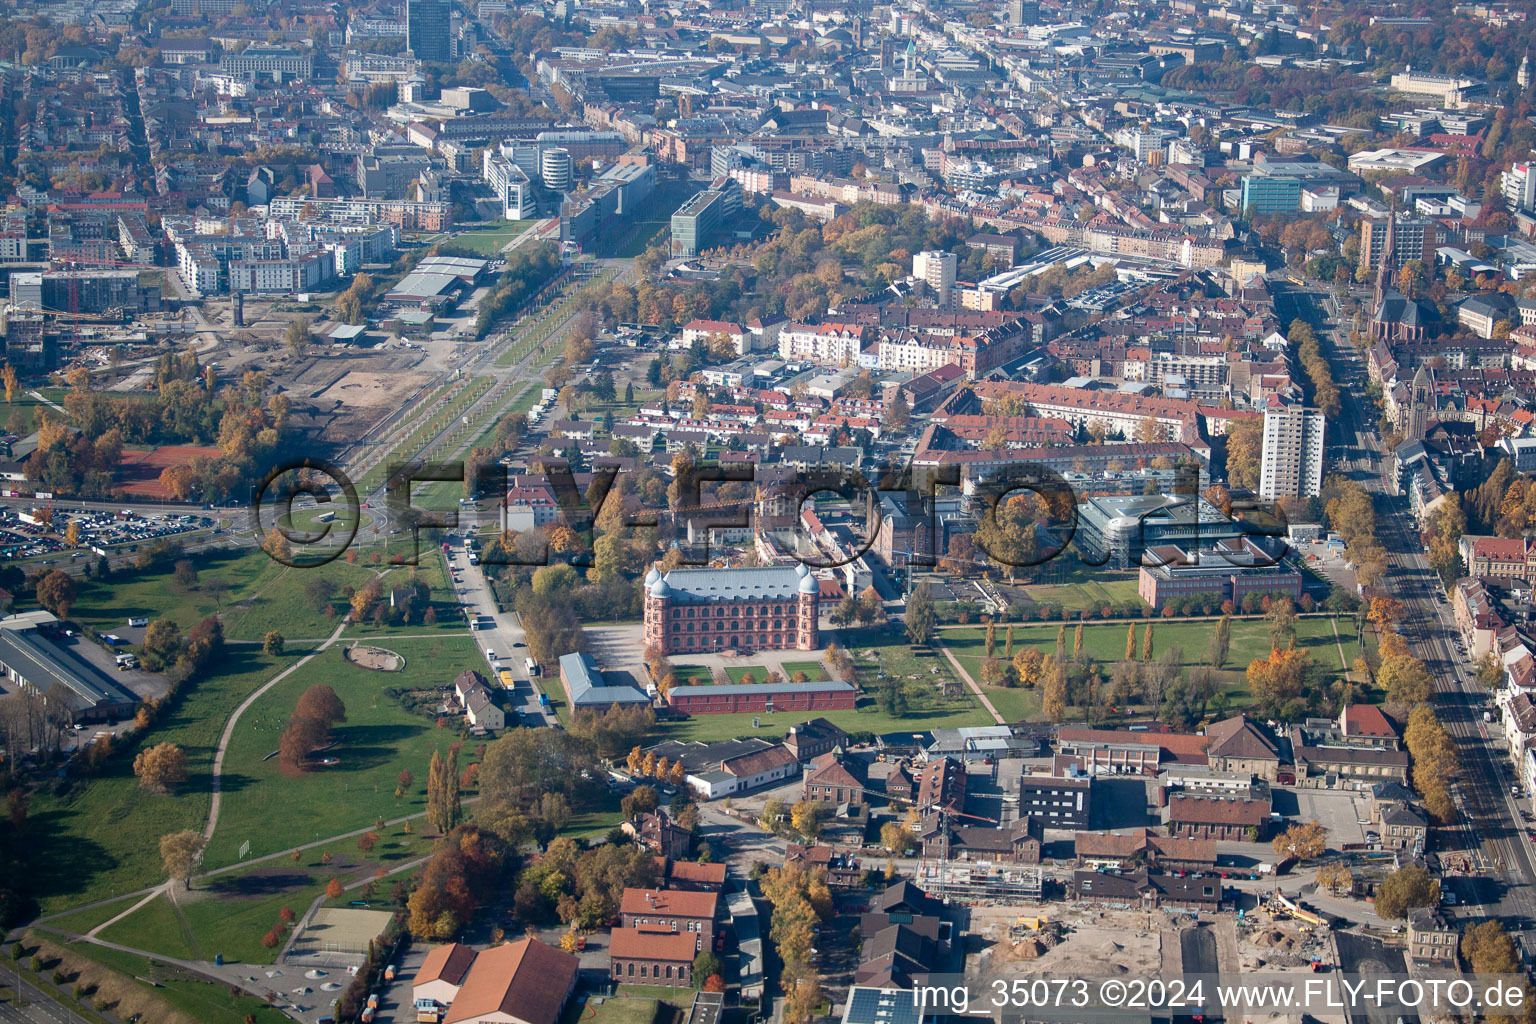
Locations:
(829, 343)
(1291, 463)
(937, 270)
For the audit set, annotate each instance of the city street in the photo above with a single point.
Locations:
(504, 637)
(1490, 810)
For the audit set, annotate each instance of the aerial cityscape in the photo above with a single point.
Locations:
(767, 512)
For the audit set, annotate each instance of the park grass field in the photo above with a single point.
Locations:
(380, 738)
(97, 837)
(815, 671)
(20, 416)
(156, 927)
(1105, 643)
(82, 921)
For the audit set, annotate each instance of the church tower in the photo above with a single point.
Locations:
(1420, 403)
(1523, 76)
(1388, 249)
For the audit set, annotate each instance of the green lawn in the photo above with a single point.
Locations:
(262, 594)
(82, 921)
(1105, 642)
(233, 927)
(202, 1000)
(380, 738)
(617, 1010)
(874, 653)
(1088, 596)
(692, 675)
(738, 673)
(489, 242)
(815, 671)
(156, 928)
(20, 416)
(95, 838)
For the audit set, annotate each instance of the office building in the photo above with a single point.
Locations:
(1058, 801)
(1120, 528)
(429, 29)
(1023, 12)
(510, 185)
(1417, 238)
(1291, 465)
(937, 270)
(1262, 194)
(697, 224)
(557, 169)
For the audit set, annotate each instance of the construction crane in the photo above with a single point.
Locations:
(944, 814)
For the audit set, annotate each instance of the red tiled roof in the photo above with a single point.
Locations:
(525, 979)
(635, 944)
(445, 963)
(1366, 720)
(662, 902)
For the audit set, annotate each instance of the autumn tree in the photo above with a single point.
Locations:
(920, 614)
(272, 643)
(1221, 641)
(161, 768)
(897, 839)
(1405, 889)
(1336, 877)
(1028, 664)
(56, 592)
(309, 726)
(180, 853)
(1489, 949)
(1301, 842)
(1053, 699)
(805, 818)
(1279, 683)
(298, 336)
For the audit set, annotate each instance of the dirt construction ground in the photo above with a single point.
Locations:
(1092, 941)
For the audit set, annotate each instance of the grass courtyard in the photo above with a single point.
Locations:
(1089, 595)
(878, 658)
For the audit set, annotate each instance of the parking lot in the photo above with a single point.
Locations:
(37, 531)
(1344, 813)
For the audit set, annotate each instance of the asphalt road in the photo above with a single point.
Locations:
(1492, 832)
(1359, 954)
(505, 639)
(39, 1009)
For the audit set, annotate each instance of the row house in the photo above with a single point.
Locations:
(828, 343)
